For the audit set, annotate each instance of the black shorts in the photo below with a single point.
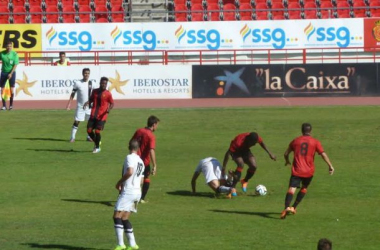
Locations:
(296, 181)
(245, 154)
(146, 172)
(95, 124)
(4, 78)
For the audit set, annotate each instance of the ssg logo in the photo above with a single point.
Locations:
(339, 35)
(147, 39)
(81, 40)
(209, 38)
(272, 37)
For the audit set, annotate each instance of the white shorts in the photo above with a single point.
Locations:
(82, 114)
(127, 202)
(211, 171)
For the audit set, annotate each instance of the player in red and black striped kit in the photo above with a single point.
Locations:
(241, 153)
(147, 151)
(101, 102)
(304, 148)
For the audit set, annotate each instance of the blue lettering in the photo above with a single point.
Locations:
(201, 36)
(343, 34)
(127, 38)
(62, 38)
(149, 38)
(256, 36)
(191, 36)
(266, 35)
(330, 34)
(137, 37)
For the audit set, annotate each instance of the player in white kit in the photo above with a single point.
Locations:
(212, 170)
(83, 88)
(129, 187)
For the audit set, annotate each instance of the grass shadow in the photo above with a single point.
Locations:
(59, 246)
(261, 214)
(40, 139)
(106, 203)
(189, 193)
(58, 150)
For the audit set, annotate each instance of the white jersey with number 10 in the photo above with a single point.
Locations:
(133, 184)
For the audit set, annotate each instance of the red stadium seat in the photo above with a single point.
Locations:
(261, 11)
(19, 14)
(181, 19)
(52, 14)
(4, 3)
(199, 2)
(102, 20)
(68, 14)
(115, 3)
(197, 12)
(359, 9)
(100, 3)
(327, 10)
(52, 3)
(218, 2)
(36, 3)
(277, 11)
(118, 20)
(213, 12)
(310, 11)
(35, 14)
(250, 2)
(245, 11)
(229, 12)
(294, 10)
(18, 3)
(83, 3)
(101, 12)
(4, 17)
(84, 14)
(343, 10)
(180, 12)
(117, 12)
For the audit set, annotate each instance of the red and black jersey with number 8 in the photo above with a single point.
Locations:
(304, 148)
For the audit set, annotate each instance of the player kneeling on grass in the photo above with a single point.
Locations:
(129, 187)
(304, 148)
(211, 169)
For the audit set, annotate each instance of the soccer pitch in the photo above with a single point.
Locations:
(58, 195)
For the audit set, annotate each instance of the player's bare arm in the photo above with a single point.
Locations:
(272, 156)
(327, 160)
(153, 159)
(70, 99)
(13, 70)
(125, 177)
(194, 182)
(85, 105)
(110, 107)
(286, 156)
(225, 161)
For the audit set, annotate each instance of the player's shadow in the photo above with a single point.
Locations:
(40, 139)
(188, 193)
(275, 216)
(58, 150)
(59, 246)
(105, 203)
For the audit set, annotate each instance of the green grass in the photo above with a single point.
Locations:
(57, 195)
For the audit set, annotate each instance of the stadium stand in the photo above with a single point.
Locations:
(85, 11)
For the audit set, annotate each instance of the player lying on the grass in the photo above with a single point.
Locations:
(129, 187)
(304, 148)
(240, 152)
(211, 169)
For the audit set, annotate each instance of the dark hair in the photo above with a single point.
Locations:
(104, 79)
(252, 137)
(9, 42)
(62, 53)
(85, 69)
(324, 244)
(306, 128)
(152, 120)
(133, 145)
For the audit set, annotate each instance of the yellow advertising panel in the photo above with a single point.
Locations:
(25, 37)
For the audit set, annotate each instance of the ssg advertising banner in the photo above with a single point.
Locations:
(231, 81)
(284, 34)
(125, 82)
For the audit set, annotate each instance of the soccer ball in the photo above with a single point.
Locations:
(261, 190)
